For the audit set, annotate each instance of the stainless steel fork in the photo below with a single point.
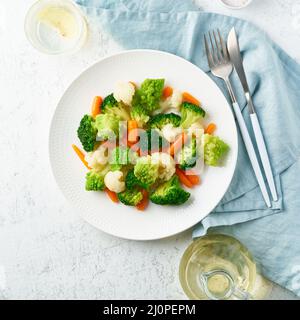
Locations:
(221, 66)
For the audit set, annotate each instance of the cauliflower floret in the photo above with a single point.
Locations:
(124, 91)
(166, 165)
(197, 130)
(170, 132)
(97, 158)
(174, 101)
(114, 181)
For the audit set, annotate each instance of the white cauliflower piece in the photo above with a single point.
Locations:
(97, 158)
(196, 129)
(124, 91)
(166, 165)
(172, 102)
(169, 132)
(176, 99)
(114, 181)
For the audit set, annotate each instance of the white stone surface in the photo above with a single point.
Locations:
(46, 250)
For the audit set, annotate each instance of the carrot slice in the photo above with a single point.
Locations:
(96, 106)
(144, 202)
(132, 127)
(112, 195)
(193, 178)
(80, 155)
(167, 92)
(135, 147)
(132, 124)
(210, 129)
(143, 153)
(178, 144)
(187, 97)
(183, 178)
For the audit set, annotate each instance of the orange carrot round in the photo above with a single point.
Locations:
(134, 146)
(132, 127)
(167, 92)
(193, 178)
(178, 144)
(112, 195)
(80, 155)
(210, 129)
(187, 97)
(96, 106)
(183, 178)
(143, 204)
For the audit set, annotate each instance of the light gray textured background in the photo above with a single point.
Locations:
(46, 250)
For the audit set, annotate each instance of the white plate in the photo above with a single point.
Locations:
(119, 220)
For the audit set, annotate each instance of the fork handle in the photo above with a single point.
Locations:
(251, 153)
(263, 154)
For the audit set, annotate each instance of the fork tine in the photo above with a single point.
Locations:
(224, 47)
(218, 46)
(214, 51)
(208, 53)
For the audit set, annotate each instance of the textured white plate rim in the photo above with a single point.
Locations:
(167, 234)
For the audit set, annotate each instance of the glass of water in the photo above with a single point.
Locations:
(219, 267)
(55, 26)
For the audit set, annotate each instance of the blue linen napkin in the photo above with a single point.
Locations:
(274, 78)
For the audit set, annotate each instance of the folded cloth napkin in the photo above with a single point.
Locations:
(274, 78)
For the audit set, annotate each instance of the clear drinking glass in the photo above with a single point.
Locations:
(219, 267)
(55, 26)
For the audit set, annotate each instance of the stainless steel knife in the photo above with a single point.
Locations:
(236, 59)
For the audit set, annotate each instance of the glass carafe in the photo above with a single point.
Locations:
(219, 267)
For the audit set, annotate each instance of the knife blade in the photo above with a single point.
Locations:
(236, 59)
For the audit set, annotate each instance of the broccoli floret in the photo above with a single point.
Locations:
(130, 197)
(138, 111)
(87, 133)
(190, 113)
(153, 142)
(139, 114)
(122, 156)
(131, 181)
(214, 149)
(145, 171)
(107, 126)
(170, 193)
(188, 155)
(150, 93)
(160, 120)
(109, 102)
(95, 179)
(112, 106)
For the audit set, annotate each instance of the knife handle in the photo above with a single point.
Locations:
(251, 152)
(263, 154)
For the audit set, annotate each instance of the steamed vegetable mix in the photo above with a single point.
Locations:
(143, 143)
